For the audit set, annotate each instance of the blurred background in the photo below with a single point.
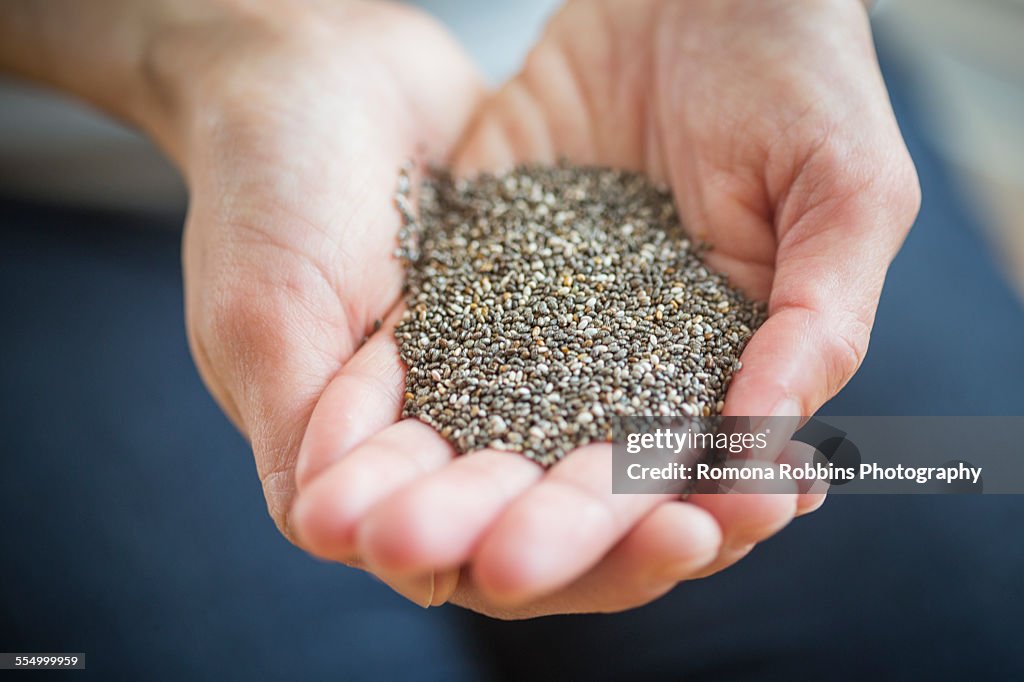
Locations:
(134, 524)
(965, 59)
(968, 64)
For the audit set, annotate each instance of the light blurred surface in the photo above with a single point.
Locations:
(968, 62)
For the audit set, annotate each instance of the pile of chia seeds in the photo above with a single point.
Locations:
(544, 302)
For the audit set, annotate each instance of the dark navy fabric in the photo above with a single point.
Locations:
(134, 530)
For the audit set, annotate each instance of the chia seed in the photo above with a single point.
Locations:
(545, 302)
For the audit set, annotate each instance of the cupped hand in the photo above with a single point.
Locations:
(290, 128)
(771, 124)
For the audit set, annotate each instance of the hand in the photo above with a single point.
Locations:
(289, 121)
(290, 127)
(771, 124)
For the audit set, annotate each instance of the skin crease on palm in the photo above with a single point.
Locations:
(770, 122)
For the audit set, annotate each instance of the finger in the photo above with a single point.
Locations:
(747, 518)
(328, 509)
(809, 502)
(725, 559)
(363, 398)
(752, 510)
(558, 529)
(435, 522)
(511, 127)
(799, 458)
(672, 543)
(812, 491)
(555, 108)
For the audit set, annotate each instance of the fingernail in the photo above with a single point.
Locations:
(444, 586)
(419, 590)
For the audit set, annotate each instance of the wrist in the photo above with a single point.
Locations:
(149, 64)
(93, 51)
(227, 66)
(98, 52)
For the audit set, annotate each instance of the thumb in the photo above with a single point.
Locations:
(838, 235)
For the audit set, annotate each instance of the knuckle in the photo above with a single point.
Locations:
(279, 493)
(831, 175)
(839, 170)
(906, 191)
